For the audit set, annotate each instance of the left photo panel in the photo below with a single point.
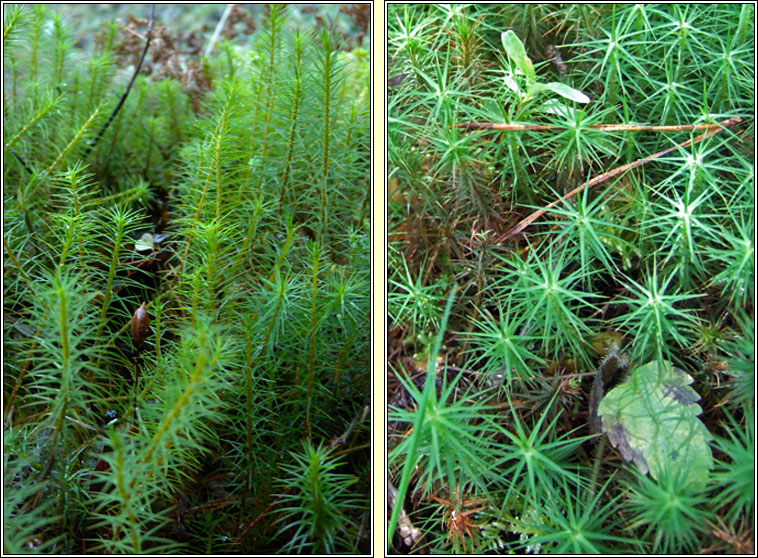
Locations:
(187, 230)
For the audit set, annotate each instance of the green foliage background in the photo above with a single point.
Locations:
(240, 426)
(656, 264)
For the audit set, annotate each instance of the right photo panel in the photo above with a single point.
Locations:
(570, 282)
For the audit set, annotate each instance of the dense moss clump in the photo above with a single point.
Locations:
(578, 180)
(227, 199)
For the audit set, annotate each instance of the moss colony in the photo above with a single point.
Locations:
(226, 206)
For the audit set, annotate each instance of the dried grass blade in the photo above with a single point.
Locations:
(524, 223)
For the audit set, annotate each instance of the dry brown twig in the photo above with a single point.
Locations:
(524, 223)
(513, 127)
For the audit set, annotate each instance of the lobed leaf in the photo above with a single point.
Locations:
(652, 420)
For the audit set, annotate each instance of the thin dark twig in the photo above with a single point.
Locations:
(128, 87)
(524, 223)
(20, 160)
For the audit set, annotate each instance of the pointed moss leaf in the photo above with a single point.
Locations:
(568, 92)
(514, 48)
(652, 419)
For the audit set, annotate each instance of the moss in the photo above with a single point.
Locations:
(220, 201)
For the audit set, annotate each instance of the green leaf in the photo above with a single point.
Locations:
(568, 92)
(144, 243)
(554, 106)
(652, 420)
(511, 83)
(514, 48)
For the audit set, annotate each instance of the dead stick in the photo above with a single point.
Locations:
(128, 87)
(513, 127)
(524, 223)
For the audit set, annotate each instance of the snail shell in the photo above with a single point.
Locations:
(140, 326)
